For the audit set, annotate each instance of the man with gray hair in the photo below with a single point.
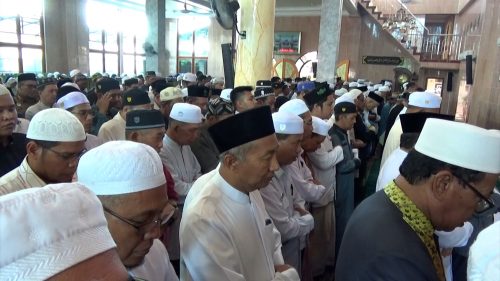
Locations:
(56, 141)
(57, 232)
(128, 179)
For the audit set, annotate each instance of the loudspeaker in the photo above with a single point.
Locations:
(449, 82)
(315, 68)
(468, 70)
(227, 60)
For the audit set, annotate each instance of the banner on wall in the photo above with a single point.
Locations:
(343, 70)
(382, 60)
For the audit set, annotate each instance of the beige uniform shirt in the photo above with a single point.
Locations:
(20, 178)
(113, 130)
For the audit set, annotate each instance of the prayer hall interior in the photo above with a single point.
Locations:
(250, 140)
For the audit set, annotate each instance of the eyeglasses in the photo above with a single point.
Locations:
(145, 227)
(484, 203)
(68, 156)
(83, 113)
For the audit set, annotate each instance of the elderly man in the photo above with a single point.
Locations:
(56, 233)
(169, 97)
(109, 102)
(439, 188)
(78, 104)
(128, 179)
(291, 220)
(198, 95)
(226, 233)
(242, 99)
(27, 93)
(204, 147)
(418, 102)
(183, 129)
(114, 129)
(56, 141)
(47, 89)
(12, 145)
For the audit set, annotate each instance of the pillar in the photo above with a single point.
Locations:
(329, 39)
(66, 36)
(255, 53)
(156, 60)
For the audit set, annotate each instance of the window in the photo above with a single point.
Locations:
(192, 44)
(21, 38)
(115, 46)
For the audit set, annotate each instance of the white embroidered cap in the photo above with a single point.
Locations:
(424, 100)
(72, 99)
(187, 113)
(295, 106)
(120, 167)
(320, 127)
(170, 93)
(74, 85)
(74, 72)
(226, 94)
(56, 124)
(340, 92)
(190, 77)
(344, 98)
(457, 144)
(384, 89)
(287, 123)
(353, 85)
(354, 93)
(46, 230)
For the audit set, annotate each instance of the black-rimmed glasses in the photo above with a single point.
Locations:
(484, 203)
(68, 156)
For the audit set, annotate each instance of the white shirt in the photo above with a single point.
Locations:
(20, 178)
(484, 255)
(390, 169)
(323, 162)
(458, 237)
(302, 180)
(113, 129)
(227, 235)
(393, 140)
(156, 265)
(182, 164)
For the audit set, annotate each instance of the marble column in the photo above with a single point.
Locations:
(216, 36)
(66, 36)
(329, 39)
(156, 60)
(255, 53)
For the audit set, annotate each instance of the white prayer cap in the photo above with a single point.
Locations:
(120, 167)
(56, 124)
(184, 92)
(287, 123)
(384, 89)
(187, 113)
(344, 98)
(72, 99)
(484, 255)
(388, 83)
(226, 94)
(370, 88)
(179, 77)
(10, 82)
(340, 92)
(331, 86)
(74, 72)
(4, 90)
(377, 86)
(353, 85)
(74, 85)
(361, 81)
(354, 93)
(460, 144)
(218, 80)
(170, 93)
(49, 229)
(190, 77)
(320, 127)
(425, 100)
(295, 106)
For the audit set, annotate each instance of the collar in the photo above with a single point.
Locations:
(230, 191)
(340, 129)
(279, 173)
(26, 171)
(119, 118)
(170, 142)
(420, 224)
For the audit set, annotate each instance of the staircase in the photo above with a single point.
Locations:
(430, 50)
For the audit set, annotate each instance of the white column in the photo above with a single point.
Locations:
(155, 13)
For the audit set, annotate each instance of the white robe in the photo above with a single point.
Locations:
(323, 162)
(113, 129)
(302, 180)
(228, 235)
(393, 140)
(390, 169)
(279, 199)
(484, 255)
(156, 265)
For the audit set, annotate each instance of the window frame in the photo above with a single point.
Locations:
(193, 57)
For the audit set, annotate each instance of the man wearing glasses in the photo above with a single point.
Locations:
(55, 143)
(442, 183)
(128, 179)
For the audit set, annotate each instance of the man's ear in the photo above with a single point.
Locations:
(134, 136)
(441, 184)
(33, 150)
(231, 161)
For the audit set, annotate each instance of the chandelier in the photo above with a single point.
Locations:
(401, 22)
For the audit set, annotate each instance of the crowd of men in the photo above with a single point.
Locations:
(162, 178)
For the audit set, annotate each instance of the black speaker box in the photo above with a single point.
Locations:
(227, 60)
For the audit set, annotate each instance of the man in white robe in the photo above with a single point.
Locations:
(418, 102)
(183, 129)
(226, 233)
